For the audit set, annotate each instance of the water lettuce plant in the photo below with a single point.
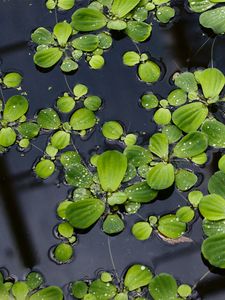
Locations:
(60, 4)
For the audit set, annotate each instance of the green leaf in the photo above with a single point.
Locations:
(111, 167)
(77, 175)
(142, 231)
(70, 158)
(165, 13)
(138, 31)
(212, 207)
(213, 249)
(117, 198)
(63, 252)
(136, 277)
(131, 58)
(177, 97)
(65, 104)
(60, 140)
(171, 227)
(42, 36)
(190, 116)
(82, 119)
(163, 287)
(88, 19)
(62, 32)
(185, 179)
(162, 116)
(185, 214)
(3, 292)
(213, 227)
(49, 293)
(159, 145)
(79, 289)
(46, 58)
(216, 184)
(66, 4)
(7, 137)
(80, 90)
(112, 130)
(45, 168)
(214, 19)
(186, 81)
(68, 65)
(138, 155)
(87, 43)
(191, 145)
(15, 107)
(149, 101)
(172, 132)
(140, 192)
(200, 5)
(20, 290)
(48, 119)
(12, 80)
(161, 176)
(102, 290)
(83, 213)
(105, 40)
(34, 280)
(28, 130)
(116, 25)
(121, 8)
(215, 131)
(93, 103)
(221, 163)
(211, 80)
(149, 72)
(113, 224)
(96, 62)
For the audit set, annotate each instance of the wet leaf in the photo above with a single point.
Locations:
(28, 130)
(213, 227)
(212, 207)
(111, 167)
(96, 62)
(171, 227)
(149, 72)
(177, 97)
(42, 36)
(163, 287)
(66, 4)
(88, 19)
(214, 19)
(82, 119)
(79, 289)
(131, 58)
(15, 107)
(200, 5)
(20, 290)
(138, 31)
(93, 103)
(62, 32)
(68, 65)
(7, 137)
(117, 198)
(185, 179)
(60, 140)
(63, 252)
(87, 43)
(172, 132)
(48, 293)
(159, 145)
(185, 214)
(162, 116)
(12, 80)
(213, 250)
(137, 276)
(161, 176)
(140, 192)
(190, 116)
(120, 8)
(48, 119)
(45, 168)
(47, 58)
(142, 230)
(186, 81)
(216, 184)
(138, 155)
(215, 131)
(117, 25)
(112, 130)
(165, 13)
(105, 40)
(77, 175)
(85, 212)
(149, 101)
(102, 290)
(191, 145)
(113, 224)
(65, 104)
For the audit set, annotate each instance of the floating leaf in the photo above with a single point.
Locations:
(34, 280)
(60, 139)
(212, 207)
(63, 252)
(120, 8)
(194, 198)
(7, 137)
(83, 213)
(216, 184)
(215, 131)
(161, 176)
(159, 145)
(15, 107)
(42, 36)
(190, 116)
(102, 290)
(82, 119)
(221, 164)
(111, 167)
(140, 192)
(79, 289)
(191, 145)
(80, 90)
(213, 227)
(3, 292)
(28, 130)
(136, 277)
(68, 65)
(200, 5)
(177, 97)
(149, 72)
(138, 155)
(117, 25)
(185, 179)
(149, 101)
(186, 81)
(211, 80)
(87, 43)
(138, 31)
(165, 13)
(142, 230)
(48, 119)
(112, 130)
(105, 40)
(213, 250)
(185, 214)
(88, 19)
(20, 290)
(65, 104)
(214, 19)
(62, 32)
(171, 227)
(70, 158)
(172, 132)
(48, 293)
(66, 4)
(12, 80)
(93, 103)
(45, 168)
(96, 62)
(117, 198)
(131, 58)
(113, 224)
(77, 175)
(46, 58)
(163, 287)
(162, 116)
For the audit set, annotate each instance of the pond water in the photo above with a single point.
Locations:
(28, 205)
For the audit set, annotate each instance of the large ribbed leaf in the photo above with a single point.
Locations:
(212, 207)
(216, 184)
(214, 19)
(163, 287)
(213, 249)
(190, 116)
(213, 227)
(84, 213)
(200, 5)
(159, 145)
(120, 8)
(111, 167)
(191, 145)
(211, 80)
(48, 293)
(137, 276)
(15, 107)
(62, 32)
(215, 131)
(161, 176)
(47, 58)
(171, 227)
(140, 193)
(88, 19)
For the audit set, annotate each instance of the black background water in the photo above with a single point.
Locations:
(27, 206)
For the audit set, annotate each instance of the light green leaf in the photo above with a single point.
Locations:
(138, 155)
(171, 227)
(136, 277)
(116, 25)
(82, 119)
(138, 31)
(140, 192)
(177, 97)
(162, 116)
(48, 293)
(216, 184)
(165, 13)
(42, 36)
(102, 290)
(45, 168)
(87, 43)
(66, 4)
(213, 249)
(77, 175)
(20, 290)
(111, 167)
(120, 8)
(48, 119)
(185, 179)
(131, 58)
(79, 289)
(7, 137)
(46, 58)
(212, 207)
(112, 130)
(215, 131)
(200, 5)
(68, 65)
(185, 214)
(163, 287)
(172, 132)
(186, 81)
(113, 224)
(28, 130)
(214, 19)
(12, 80)
(149, 72)
(15, 107)
(96, 62)
(83, 213)
(161, 176)
(213, 227)
(62, 32)
(142, 231)
(159, 145)
(60, 140)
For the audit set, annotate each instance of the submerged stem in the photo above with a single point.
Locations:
(112, 260)
(202, 278)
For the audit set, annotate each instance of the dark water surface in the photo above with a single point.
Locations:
(27, 206)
